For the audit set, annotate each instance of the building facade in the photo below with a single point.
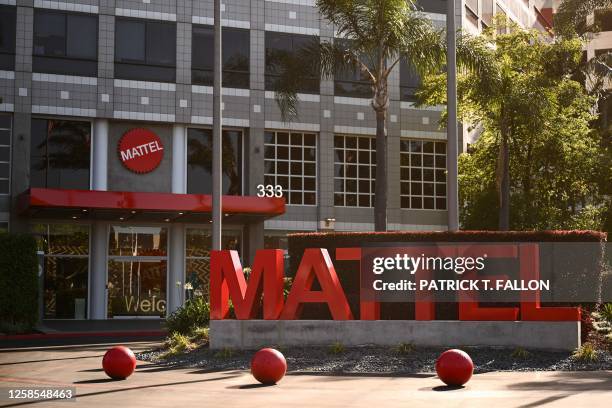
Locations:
(105, 134)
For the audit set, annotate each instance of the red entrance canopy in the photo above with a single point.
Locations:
(120, 202)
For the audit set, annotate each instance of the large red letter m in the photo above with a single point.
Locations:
(227, 281)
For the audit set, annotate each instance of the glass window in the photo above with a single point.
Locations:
(281, 49)
(137, 268)
(433, 6)
(5, 153)
(65, 43)
(236, 52)
(198, 242)
(603, 19)
(409, 81)
(291, 162)
(7, 37)
(199, 161)
(352, 81)
(354, 171)
(65, 249)
(145, 50)
(60, 151)
(423, 174)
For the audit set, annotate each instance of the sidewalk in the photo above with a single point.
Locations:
(154, 386)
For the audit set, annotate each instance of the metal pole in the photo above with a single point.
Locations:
(217, 138)
(452, 149)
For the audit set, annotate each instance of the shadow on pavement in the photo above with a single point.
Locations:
(544, 401)
(443, 388)
(349, 374)
(569, 381)
(249, 386)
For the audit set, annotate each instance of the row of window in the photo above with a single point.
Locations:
(67, 43)
(5, 153)
(61, 150)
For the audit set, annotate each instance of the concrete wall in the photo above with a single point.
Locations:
(252, 334)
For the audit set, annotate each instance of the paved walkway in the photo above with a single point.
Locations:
(153, 386)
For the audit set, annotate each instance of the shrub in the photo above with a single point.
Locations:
(586, 353)
(520, 353)
(18, 283)
(606, 312)
(225, 353)
(337, 348)
(405, 348)
(194, 313)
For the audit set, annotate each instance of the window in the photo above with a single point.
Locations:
(7, 37)
(198, 242)
(145, 50)
(291, 162)
(603, 19)
(65, 43)
(423, 174)
(352, 81)
(137, 267)
(433, 6)
(5, 154)
(60, 154)
(236, 51)
(472, 5)
(280, 49)
(66, 266)
(199, 161)
(471, 15)
(488, 11)
(354, 171)
(409, 81)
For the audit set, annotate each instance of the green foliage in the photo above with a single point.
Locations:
(572, 16)
(528, 102)
(225, 353)
(520, 353)
(586, 353)
(175, 344)
(18, 282)
(193, 314)
(405, 348)
(606, 312)
(337, 348)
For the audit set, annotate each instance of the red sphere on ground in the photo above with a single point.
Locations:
(454, 367)
(119, 363)
(268, 366)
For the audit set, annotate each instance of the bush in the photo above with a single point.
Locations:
(586, 353)
(193, 314)
(18, 283)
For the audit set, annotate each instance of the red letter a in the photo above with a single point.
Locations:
(317, 263)
(227, 280)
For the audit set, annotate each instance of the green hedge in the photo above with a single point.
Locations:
(349, 276)
(18, 282)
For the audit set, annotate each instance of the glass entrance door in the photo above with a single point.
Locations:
(137, 270)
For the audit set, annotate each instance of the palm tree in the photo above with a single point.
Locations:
(376, 36)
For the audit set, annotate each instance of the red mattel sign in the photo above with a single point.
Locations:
(140, 150)
(265, 288)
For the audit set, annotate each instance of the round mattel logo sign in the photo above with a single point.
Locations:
(140, 150)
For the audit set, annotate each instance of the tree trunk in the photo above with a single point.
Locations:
(380, 198)
(504, 183)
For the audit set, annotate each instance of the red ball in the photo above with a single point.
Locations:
(454, 367)
(268, 366)
(119, 363)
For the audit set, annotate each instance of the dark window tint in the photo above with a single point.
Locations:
(145, 50)
(603, 19)
(199, 162)
(409, 81)
(351, 81)
(60, 153)
(236, 51)
(65, 43)
(7, 38)
(286, 50)
(432, 6)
